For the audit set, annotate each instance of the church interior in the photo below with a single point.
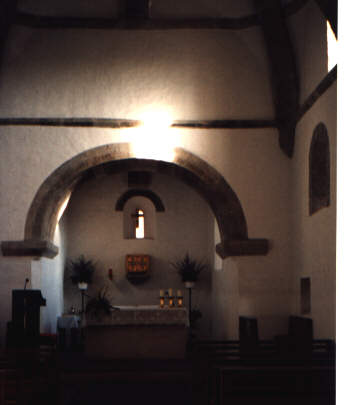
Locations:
(168, 201)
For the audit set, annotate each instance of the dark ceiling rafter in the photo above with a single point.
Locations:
(330, 10)
(49, 22)
(140, 20)
(8, 10)
(284, 77)
(130, 123)
(323, 86)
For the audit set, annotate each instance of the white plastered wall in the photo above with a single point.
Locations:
(314, 237)
(193, 74)
(95, 230)
(253, 165)
(47, 276)
(314, 241)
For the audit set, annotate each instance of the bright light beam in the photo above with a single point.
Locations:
(63, 207)
(152, 139)
(332, 48)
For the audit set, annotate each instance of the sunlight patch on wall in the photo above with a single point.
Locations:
(153, 139)
(63, 207)
(331, 48)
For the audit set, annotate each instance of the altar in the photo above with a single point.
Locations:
(138, 332)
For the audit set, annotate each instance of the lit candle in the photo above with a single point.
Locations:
(162, 302)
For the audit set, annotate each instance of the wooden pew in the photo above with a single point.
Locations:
(266, 374)
(282, 384)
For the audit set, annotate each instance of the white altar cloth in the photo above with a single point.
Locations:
(142, 315)
(68, 321)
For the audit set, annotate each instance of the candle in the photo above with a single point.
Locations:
(170, 292)
(170, 302)
(162, 302)
(161, 293)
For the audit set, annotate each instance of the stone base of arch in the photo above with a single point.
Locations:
(245, 247)
(44, 248)
(34, 248)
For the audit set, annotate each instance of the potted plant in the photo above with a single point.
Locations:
(81, 271)
(99, 305)
(189, 270)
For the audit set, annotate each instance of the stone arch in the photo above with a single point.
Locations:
(153, 197)
(43, 213)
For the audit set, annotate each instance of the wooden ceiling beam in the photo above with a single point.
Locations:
(283, 72)
(137, 16)
(132, 23)
(128, 123)
(8, 10)
(330, 10)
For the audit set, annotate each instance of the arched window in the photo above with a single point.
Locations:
(139, 218)
(139, 208)
(319, 170)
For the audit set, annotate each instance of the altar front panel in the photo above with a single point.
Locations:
(138, 332)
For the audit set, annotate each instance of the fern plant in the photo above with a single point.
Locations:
(188, 268)
(100, 304)
(81, 270)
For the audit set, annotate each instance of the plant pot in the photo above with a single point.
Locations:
(82, 286)
(189, 284)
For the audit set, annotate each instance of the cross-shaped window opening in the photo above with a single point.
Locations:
(139, 224)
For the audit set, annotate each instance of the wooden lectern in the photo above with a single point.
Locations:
(24, 329)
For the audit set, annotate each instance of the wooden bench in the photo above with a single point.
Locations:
(265, 373)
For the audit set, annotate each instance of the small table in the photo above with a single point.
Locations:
(65, 324)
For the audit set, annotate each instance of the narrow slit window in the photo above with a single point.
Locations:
(305, 295)
(319, 170)
(332, 48)
(139, 224)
